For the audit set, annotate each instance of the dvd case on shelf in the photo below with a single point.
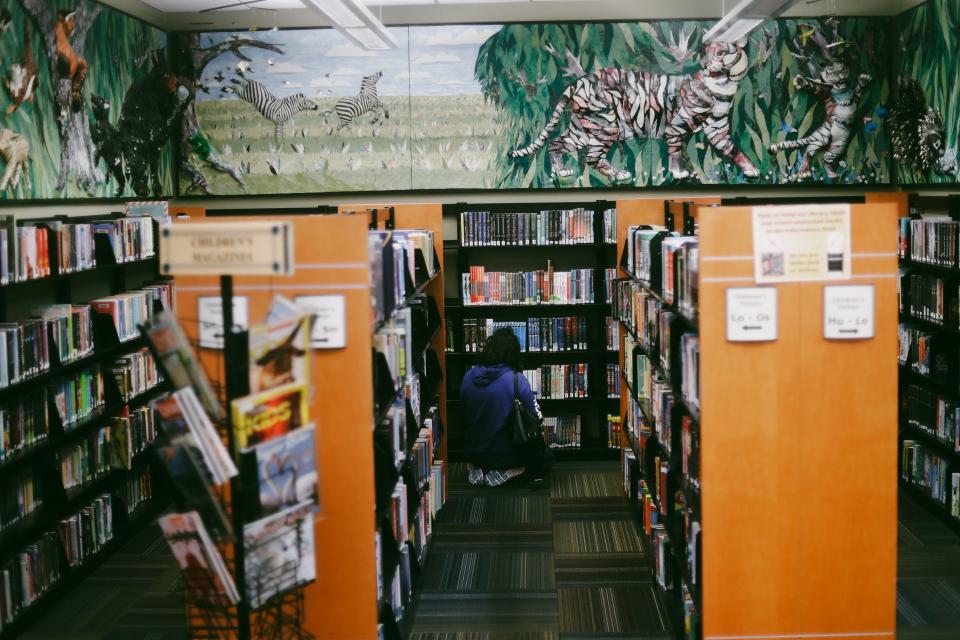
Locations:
(544, 286)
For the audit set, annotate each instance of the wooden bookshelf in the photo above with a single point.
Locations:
(598, 256)
(809, 544)
(331, 257)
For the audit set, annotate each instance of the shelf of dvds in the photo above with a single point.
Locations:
(673, 447)
(929, 337)
(493, 242)
(58, 462)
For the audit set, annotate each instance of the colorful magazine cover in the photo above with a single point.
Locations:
(269, 414)
(285, 469)
(279, 553)
(180, 362)
(199, 559)
(279, 353)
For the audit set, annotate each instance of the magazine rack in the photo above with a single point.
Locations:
(271, 608)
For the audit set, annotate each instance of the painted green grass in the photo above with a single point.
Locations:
(929, 52)
(450, 145)
(764, 102)
(114, 46)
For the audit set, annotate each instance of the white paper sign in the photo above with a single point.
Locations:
(210, 314)
(797, 243)
(751, 314)
(330, 322)
(848, 312)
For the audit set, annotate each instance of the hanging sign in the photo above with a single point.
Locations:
(848, 312)
(210, 315)
(330, 320)
(751, 314)
(799, 243)
(227, 248)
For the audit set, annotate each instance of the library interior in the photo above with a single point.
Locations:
(479, 319)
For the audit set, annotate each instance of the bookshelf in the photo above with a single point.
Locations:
(349, 393)
(71, 497)
(757, 523)
(929, 322)
(485, 240)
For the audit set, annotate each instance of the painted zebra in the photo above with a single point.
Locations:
(841, 102)
(349, 109)
(277, 110)
(612, 104)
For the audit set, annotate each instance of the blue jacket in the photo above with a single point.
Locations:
(486, 399)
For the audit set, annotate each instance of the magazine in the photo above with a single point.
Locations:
(279, 553)
(199, 559)
(183, 418)
(285, 469)
(269, 414)
(279, 353)
(180, 362)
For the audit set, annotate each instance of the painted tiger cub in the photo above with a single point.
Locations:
(613, 104)
(842, 102)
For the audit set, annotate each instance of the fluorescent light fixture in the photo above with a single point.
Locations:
(356, 22)
(746, 16)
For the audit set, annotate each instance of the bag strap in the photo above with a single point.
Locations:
(516, 386)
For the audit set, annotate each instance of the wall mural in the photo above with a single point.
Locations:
(88, 103)
(545, 106)
(925, 119)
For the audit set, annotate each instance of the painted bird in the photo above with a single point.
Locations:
(786, 127)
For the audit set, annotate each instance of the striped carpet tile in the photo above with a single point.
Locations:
(452, 612)
(928, 602)
(610, 610)
(496, 510)
(586, 485)
(608, 568)
(493, 570)
(591, 509)
(596, 536)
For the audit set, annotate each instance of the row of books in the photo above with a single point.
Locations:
(421, 458)
(929, 412)
(87, 531)
(562, 432)
(29, 574)
(544, 286)
(667, 262)
(24, 350)
(614, 428)
(71, 327)
(610, 226)
(131, 433)
(925, 469)
(137, 489)
(613, 380)
(927, 353)
(394, 340)
(24, 422)
(20, 495)
(135, 373)
(392, 256)
(929, 241)
(568, 333)
(86, 459)
(25, 249)
(129, 310)
(559, 381)
(611, 333)
(78, 396)
(549, 227)
(929, 298)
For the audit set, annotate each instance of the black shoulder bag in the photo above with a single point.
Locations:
(525, 426)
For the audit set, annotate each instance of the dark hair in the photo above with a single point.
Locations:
(502, 348)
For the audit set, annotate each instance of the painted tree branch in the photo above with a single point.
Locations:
(77, 151)
(203, 57)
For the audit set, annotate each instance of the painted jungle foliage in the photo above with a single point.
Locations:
(87, 106)
(926, 127)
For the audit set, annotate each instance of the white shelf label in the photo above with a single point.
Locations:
(330, 324)
(848, 312)
(210, 314)
(751, 314)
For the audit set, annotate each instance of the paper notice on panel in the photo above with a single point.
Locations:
(799, 243)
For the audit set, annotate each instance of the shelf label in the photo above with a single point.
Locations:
(848, 312)
(798, 243)
(263, 248)
(210, 314)
(751, 314)
(330, 320)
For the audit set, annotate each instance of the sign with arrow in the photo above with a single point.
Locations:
(848, 312)
(751, 314)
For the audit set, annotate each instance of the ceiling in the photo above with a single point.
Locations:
(198, 15)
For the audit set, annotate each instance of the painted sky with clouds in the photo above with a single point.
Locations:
(431, 61)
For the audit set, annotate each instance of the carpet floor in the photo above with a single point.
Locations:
(560, 563)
